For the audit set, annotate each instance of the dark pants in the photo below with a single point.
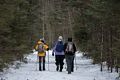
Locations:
(59, 61)
(72, 68)
(70, 63)
(41, 63)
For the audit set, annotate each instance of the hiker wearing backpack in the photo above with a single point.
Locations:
(41, 47)
(58, 50)
(69, 49)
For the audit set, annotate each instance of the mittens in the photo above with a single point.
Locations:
(52, 53)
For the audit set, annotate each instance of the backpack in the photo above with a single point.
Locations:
(69, 48)
(41, 48)
(59, 46)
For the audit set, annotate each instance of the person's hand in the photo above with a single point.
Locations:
(47, 49)
(52, 53)
(34, 50)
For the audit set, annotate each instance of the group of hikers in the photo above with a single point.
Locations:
(60, 50)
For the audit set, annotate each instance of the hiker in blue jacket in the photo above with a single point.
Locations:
(58, 50)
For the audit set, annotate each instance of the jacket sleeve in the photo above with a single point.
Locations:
(36, 47)
(46, 47)
(74, 47)
(65, 45)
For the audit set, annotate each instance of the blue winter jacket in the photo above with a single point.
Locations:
(56, 52)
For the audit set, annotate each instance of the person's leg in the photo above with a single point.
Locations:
(72, 68)
(39, 63)
(43, 62)
(68, 61)
(61, 62)
(66, 57)
(57, 62)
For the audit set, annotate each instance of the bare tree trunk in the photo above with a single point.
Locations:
(111, 58)
(101, 69)
(43, 19)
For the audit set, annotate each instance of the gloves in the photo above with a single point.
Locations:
(52, 53)
(34, 50)
(47, 49)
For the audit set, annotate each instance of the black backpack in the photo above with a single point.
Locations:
(69, 48)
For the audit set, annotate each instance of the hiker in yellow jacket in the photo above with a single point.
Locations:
(41, 47)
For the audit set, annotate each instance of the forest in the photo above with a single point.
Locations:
(93, 24)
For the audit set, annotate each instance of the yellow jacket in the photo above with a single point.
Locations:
(44, 46)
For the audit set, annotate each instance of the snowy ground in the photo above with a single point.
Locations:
(84, 70)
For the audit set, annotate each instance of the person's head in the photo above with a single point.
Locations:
(69, 39)
(42, 40)
(60, 38)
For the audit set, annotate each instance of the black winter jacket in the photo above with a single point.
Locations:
(74, 49)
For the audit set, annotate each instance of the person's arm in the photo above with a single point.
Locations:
(74, 48)
(36, 47)
(46, 47)
(65, 45)
(54, 45)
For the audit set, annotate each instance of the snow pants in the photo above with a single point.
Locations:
(70, 63)
(59, 61)
(41, 63)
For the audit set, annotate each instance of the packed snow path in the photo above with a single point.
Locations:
(83, 70)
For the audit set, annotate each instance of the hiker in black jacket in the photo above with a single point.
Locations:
(69, 49)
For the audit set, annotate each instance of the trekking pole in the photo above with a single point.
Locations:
(48, 60)
(75, 62)
(36, 61)
(65, 65)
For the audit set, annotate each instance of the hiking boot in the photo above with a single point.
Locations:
(69, 72)
(72, 71)
(57, 68)
(60, 70)
(40, 69)
(43, 69)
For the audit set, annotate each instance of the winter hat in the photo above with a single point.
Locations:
(70, 39)
(60, 38)
(42, 40)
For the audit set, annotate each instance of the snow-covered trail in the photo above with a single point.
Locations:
(85, 71)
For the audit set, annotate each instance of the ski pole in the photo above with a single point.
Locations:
(36, 61)
(75, 62)
(65, 64)
(48, 60)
